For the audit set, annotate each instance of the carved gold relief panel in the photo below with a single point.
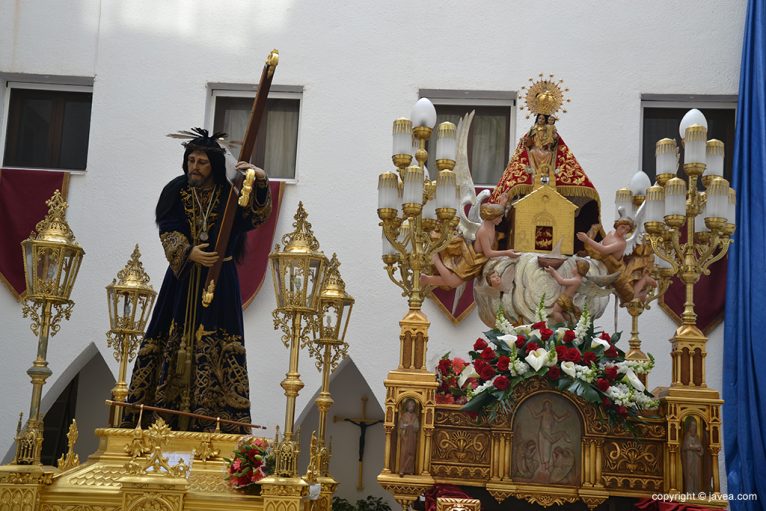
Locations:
(547, 438)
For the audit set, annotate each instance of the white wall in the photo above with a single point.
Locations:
(361, 65)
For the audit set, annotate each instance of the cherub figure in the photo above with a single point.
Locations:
(462, 261)
(496, 280)
(644, 284)
(611, 249)
(550, 135)
(626, 255)
(564, 310)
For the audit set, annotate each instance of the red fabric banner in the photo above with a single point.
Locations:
(259, 243)
(709, 296)
(457, 303)
(22, 204)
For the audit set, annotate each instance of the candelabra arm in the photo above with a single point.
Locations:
(439, 244)
(659, 250)
(400, 284)
(389, 230)
(680, 250)
(723, 247)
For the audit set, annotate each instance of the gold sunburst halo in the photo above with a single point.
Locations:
(544, 95)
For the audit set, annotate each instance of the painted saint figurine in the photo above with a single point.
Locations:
(408, 428)
(692, 452)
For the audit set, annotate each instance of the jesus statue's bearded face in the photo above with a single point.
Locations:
(200, 170)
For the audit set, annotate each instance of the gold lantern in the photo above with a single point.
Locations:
(130, 298)
(298, 272)
(52, 259)
(330, 329)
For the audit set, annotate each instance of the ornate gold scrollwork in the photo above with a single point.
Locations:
(462, 446)
(632, 456)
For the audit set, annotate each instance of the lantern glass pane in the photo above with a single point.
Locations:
(330, 322)
(346, 317)
(28, 266)
(110, 298)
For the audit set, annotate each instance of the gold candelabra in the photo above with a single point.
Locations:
(709, 220)
(52, 259)
(417, 214)
(708, 217)
(418, 220)
(130, 298)
(298, 272)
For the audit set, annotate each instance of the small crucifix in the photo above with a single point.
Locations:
(362, 423)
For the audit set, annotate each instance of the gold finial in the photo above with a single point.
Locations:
(70, 459)
(333, 283)
(54, 226)
(302, 239)
(133, 274)
(544, 96)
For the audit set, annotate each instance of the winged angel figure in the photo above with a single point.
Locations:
(624, 254)
(466, 255)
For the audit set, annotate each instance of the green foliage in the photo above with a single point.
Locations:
(369, 504)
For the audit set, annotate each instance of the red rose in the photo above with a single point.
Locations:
(532, 346)
(478, 365)
(561, 352)
(611, 352)
(569, 336)
(602, 384)
(554, 372)
(444, 366)
(622, 410)
(480, 344)
(545, 333)
(503, 362)
(520, 340)
(487, 372)
(611, 372)
(488, 354)
(538, 325)
(501, 383)
(589, 357)
(573, 354)
(606, 402)
(605, 336)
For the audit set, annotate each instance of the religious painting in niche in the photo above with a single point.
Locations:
(696, 472)
(408, 431)
(543, 237)
(547, 434)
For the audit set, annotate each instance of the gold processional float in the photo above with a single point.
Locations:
(518, 450)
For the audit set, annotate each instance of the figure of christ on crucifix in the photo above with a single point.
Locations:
(362, 423)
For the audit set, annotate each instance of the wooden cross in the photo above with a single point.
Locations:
(362, 423)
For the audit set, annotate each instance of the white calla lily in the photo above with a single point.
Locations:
(536, 359)
(630, 375)
(595, 343)
(508, 338)
(468, 372)
(569, 368)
